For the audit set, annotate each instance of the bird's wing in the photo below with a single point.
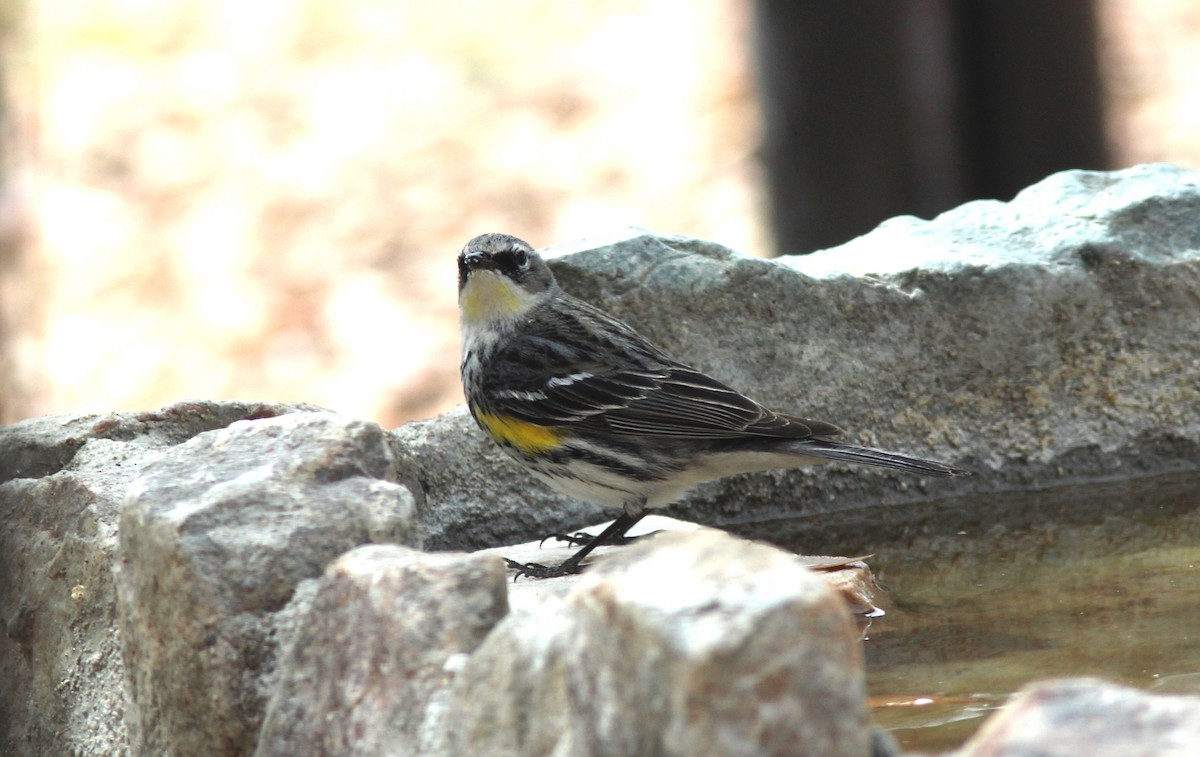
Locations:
(611, 380)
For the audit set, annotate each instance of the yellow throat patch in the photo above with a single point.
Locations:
(488, 297)
(526, 437)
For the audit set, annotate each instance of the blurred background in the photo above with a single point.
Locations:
(264, 200)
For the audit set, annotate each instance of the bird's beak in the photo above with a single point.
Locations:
(476, 260)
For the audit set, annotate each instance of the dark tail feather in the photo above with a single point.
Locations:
(877, 457)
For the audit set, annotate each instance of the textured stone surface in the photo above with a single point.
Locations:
(377, 649)
(1049, 339)
(214, 537)
(1072, 717)
(687, 643)
(62, 481)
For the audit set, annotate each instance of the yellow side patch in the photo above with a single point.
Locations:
(488, 296)
(527, 437)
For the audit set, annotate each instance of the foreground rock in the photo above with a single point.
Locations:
(62, 483)
(688, 643)
(214, 539)
(368, 670)
(1072, 717)
(1052, 338)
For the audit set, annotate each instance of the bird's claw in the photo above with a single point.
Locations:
(577, 539)
(537, 570)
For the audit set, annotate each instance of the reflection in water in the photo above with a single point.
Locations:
(987, 595)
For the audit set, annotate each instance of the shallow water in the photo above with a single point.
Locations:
(985, 596)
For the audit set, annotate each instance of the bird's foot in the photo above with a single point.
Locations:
(537, 570)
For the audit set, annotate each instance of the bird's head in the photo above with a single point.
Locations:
(499, 278)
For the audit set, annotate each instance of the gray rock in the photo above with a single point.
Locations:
(372, 660)
(1051, 339)
(1071, 717)
(214, 537)
(684, 644)
(62, 480)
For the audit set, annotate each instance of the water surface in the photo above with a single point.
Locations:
(985, 596)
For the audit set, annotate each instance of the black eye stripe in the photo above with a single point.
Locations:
(514, 258)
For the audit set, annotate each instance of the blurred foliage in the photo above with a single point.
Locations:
(264, 200)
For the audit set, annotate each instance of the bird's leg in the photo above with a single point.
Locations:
(616, 530)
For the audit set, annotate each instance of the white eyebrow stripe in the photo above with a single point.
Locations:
(568, 380)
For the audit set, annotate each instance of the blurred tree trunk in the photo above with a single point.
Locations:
(879, 108)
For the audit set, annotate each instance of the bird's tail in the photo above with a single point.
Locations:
(877, 457)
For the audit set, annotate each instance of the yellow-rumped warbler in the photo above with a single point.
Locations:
(596, 411)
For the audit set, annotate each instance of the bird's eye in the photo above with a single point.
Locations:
(520, 258)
